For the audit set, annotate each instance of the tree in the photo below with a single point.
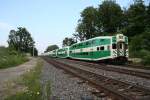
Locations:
(13, 41)
(136, 18)
(110, 16)
(21, 40)
(148, 16)
(140, 46)
(86, 28)
(51, 47)
(81, 34)
(35, 52)
(68, 41)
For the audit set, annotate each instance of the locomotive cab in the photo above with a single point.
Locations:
(120, 47)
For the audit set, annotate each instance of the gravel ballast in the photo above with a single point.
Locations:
(65, 86)
(134, 80)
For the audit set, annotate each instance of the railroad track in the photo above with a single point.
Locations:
(109, 68)
(114, 89)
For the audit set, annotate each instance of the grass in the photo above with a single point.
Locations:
(32, 81)
(48, 91)
(10, 58)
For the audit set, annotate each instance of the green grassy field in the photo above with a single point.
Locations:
(10, 58)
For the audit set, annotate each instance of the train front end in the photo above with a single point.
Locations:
(120, 48)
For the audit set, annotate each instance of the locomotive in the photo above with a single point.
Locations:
(102, 48)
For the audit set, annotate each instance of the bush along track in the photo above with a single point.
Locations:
(32, 81)
(10, 58)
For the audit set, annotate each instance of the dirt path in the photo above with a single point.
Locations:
(7, 75)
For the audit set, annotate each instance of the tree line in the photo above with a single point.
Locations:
(109, 18)
(21, 41)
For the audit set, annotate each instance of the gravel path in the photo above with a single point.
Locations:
(8, 76)
(14, 72)
(118, 76)
(65, 86)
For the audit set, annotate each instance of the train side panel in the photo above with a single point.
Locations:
(93, 49)
(63, 52)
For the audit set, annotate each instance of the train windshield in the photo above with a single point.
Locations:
(114, 46)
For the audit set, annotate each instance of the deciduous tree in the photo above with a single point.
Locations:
(136, 16)
(68, 41)
(51, 47)
(21, 40)
(110, 16)
(87, 25)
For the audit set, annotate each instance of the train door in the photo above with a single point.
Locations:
(121, 49)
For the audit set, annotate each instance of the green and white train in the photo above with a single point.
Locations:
(102, 48)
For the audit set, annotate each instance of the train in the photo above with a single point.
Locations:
(101, 48)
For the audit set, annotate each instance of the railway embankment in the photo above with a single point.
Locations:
(116, 89)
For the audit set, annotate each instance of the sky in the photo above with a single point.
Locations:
(48, 21)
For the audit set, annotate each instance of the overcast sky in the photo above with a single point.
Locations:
(48, 21)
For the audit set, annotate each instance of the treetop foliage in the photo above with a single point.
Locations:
(109, 18)
(104, 20)
(51, 47)
(68, 41)
(21, 41)
(110, 15)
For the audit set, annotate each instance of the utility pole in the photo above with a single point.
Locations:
(33, 51)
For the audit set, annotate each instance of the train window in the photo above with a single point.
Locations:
(86, 53)
(114, 46)
(102, 48)
(83, 53)
(120, 46)
(102, 40)
(97, 48)
(70, 51)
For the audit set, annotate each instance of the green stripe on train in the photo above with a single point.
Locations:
(91, 55)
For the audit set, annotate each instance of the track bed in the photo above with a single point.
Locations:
(111, 88)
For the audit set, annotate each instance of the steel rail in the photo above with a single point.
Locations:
(119, 70)
(105, 84)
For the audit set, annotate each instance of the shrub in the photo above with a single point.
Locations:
(10, 58)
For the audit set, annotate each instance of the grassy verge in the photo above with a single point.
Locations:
(10, 58)
(32, 81)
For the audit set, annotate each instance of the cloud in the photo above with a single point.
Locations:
(5, 26)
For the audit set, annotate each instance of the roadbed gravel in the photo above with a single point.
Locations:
(65, 86)
(134, 80)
